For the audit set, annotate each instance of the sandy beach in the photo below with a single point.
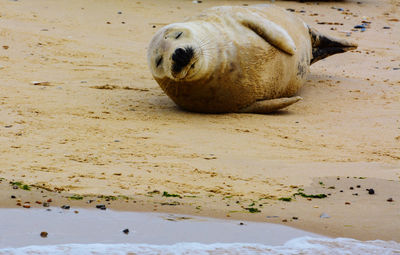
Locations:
(82, 117)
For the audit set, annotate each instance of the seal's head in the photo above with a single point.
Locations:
(176, 53)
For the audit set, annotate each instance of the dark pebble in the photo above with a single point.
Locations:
(338, 178)
(241, 223)
(340, 9)
(371, 191)
(44, 234)
(290, 9)
(390, 199)
(358, 186)
(90, 201)
(119, 12)
(341, 190)
(355, 194)
(396, 68)
(126, 231)
(154, 26)
(101, 207)
(359, 26)
(351, 188)
(295, 218)
(12, 196)
(45, 204)
(386, 27)
(15, 187)
(302, 11)
(8, 126)
(65, 207)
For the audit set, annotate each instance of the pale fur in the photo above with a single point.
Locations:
(243, 55)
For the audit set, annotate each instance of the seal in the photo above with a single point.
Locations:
(250, 59)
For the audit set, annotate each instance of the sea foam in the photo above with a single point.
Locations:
(302, 245)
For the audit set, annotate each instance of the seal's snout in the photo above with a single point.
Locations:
(181, 58)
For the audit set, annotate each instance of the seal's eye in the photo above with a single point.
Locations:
(178, 35)
(159, 61)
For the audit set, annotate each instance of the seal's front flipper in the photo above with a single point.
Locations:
(272, 105)
(323, 45)
(270, 32)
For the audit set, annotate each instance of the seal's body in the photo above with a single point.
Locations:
(237, 59)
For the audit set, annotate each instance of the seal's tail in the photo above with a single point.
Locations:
(323, 45)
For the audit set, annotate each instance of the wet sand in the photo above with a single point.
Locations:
(81, 114)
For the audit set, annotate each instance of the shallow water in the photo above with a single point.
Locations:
(100, 232)
(22, 227)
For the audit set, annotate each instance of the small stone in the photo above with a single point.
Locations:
(347, 203)
(390, 199)
(351, 188)
(241, 223)
(18, 203)
(26, 206)
(12, 196)
(5, 47)
(386, 27)
(101, 207)
(126, 231)
(324, 216)
(65, 207)
(119, 12)
(8, 126)
(40, 83)
(197, 2)
(295, 218)
(45, 204)
(355, 194)
(359, 26)
(49, 200)
(358, 186)
(371, 191)
(76, 212)
(15, 187)
(341, 190)
(38, 202)
(316, 206)
(44, 234)
(116, 141)
(284, 220)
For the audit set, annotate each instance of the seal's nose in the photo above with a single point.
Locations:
(181, 58)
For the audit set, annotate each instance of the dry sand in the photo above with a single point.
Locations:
(97, 123)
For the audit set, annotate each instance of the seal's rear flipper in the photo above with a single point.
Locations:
(272, 105)
(323, 45)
